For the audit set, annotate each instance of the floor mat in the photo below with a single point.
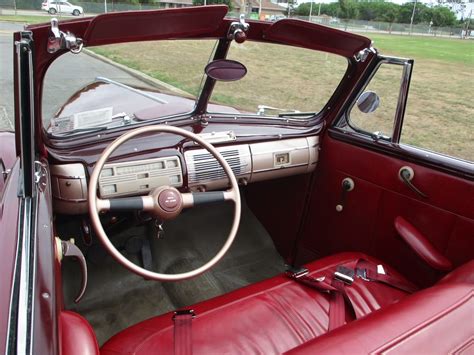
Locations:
(116, 298)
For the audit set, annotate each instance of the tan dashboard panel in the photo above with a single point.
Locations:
(253, 162)
(249, 162)
(139, 177)
(69, 187)
(205, 171)
(272, 160)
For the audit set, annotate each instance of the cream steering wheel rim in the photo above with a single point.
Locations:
(232, 194)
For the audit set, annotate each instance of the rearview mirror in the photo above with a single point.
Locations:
(368, 102)
(225, 70)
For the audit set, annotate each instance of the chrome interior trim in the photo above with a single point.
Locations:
(402, 101)
(382, 60)
(27, 278)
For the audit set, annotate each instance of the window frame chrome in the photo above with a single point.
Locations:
(401, 101)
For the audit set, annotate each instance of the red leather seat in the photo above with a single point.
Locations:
(272, 316)
(438, 320)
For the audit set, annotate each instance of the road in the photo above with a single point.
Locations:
(32, 13)
(68, 74)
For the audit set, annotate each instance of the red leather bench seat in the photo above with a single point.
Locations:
(438, 320)
(269, 317)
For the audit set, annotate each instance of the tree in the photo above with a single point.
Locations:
(390, 14)
(212, 2)
(369, 11)
(442, 16)
(347, 10)
(405, 11)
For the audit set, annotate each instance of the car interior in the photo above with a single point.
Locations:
(285, 233)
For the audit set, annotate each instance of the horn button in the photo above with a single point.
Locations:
(169, 200)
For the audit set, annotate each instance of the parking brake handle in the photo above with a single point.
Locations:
(68, 248)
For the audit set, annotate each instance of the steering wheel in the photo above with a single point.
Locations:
(164, 202)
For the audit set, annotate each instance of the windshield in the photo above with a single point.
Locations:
(124, 84)
(110, 86)
(281, 80)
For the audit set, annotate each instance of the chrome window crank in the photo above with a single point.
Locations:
(407, 174)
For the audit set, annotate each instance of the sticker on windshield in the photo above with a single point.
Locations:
(92, 118)
(83, 119)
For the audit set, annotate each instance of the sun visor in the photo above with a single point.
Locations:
(318, 37)
(156, 24)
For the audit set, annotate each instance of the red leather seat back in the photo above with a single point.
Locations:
(464, 273)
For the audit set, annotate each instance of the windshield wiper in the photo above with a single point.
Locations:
(136, 91)
(263, 108)
(297, 114)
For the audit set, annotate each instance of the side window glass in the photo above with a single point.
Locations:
(440, 110)
(375, 109)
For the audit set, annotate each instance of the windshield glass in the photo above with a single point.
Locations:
(110, 86)
(281, 80)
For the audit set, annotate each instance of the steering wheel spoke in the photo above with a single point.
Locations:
(193, 199)
(134, 203)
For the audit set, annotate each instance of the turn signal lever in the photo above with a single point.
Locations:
(68, 248)
(347, 185)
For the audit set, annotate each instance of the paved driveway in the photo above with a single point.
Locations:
(67, 74)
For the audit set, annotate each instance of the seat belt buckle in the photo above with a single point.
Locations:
(344, 274)
(184, 312)
(362, 274)
(294, 272)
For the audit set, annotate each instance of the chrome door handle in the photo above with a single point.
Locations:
(407, 174)
(68, 248)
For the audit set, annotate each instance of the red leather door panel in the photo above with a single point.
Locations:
(366, 222)
(9, 224)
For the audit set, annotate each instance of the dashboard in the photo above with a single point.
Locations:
(195, 170)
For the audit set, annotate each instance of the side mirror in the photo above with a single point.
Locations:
(368, 102)
(225, 70)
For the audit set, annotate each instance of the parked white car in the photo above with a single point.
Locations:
(54, 7)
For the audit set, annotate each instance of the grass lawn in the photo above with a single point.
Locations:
(446, 50)
(25, 19)
(440, 112)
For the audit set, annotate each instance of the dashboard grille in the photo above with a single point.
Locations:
(203, 167)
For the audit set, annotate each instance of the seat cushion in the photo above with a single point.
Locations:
(438, 320)
(272, 316)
